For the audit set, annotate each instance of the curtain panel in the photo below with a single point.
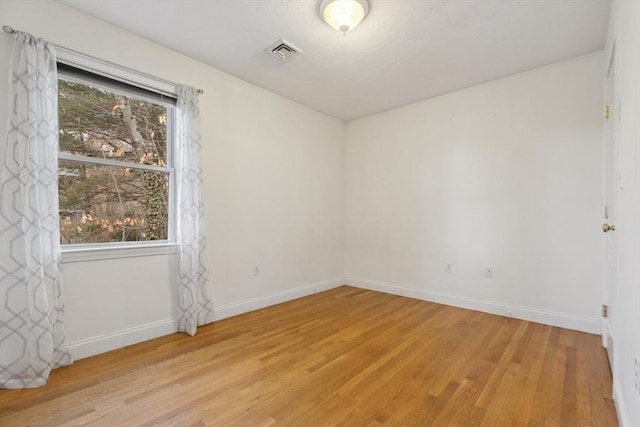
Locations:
(32, 341)
(194, 304)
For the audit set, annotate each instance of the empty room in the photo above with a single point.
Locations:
(320, 213)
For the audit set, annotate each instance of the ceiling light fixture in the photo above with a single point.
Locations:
(344, 15)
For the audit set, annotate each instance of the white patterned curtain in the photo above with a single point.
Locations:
(31, 308)
(194, 303)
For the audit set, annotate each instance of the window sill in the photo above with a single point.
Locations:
(70, 255)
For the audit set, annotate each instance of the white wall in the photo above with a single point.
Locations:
(506, 174)
(624, 30)
(274, 181)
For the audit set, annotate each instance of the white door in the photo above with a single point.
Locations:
(612, 183)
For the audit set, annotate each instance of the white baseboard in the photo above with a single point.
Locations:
(592, 326)
(606, 332)
(103, 343)
(621, 408)
(229, 310)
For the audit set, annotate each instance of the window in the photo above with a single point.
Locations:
(115, 173)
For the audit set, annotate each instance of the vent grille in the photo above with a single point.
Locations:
(283, 50)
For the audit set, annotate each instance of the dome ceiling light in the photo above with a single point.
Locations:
(344, 15)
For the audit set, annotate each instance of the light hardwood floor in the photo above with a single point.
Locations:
(347, 357)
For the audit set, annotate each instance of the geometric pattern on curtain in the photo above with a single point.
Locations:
(31, 305)
(194, 304)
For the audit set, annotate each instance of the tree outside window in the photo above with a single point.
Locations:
(114, 168)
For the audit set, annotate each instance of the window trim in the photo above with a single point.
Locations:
(74, 253)
(107, 70)
(114, 85)
(116, 72)
(115, 163)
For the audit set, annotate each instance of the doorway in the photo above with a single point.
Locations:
(611, 187)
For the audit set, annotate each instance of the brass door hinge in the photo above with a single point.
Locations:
(605, 111)
(605, 310)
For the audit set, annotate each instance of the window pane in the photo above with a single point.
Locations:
(96, 122)
(100, 204)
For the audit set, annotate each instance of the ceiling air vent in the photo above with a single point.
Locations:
(283, 50)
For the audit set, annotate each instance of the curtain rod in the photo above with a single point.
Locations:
(10, 30)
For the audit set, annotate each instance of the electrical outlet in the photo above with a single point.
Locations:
(448, 267)
(488, 271)
(256, 270)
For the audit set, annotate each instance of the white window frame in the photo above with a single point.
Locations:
(103, 251)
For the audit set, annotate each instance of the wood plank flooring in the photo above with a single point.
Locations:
(345, 357)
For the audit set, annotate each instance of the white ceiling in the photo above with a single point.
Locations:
(404, 51)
